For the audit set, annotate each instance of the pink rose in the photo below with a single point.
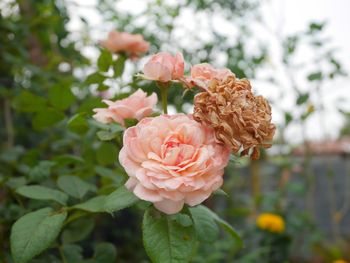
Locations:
(125, 42)
(172, 160)
(136, 106)
(164, 67)
(202, 74)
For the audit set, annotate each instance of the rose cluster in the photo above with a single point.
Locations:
(179, 159)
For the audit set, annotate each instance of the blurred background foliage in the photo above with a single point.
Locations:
(49, 85)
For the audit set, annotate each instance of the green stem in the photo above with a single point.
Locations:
(163, 86)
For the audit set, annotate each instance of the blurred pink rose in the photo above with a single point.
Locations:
(134, 45)
(136, 106)
(164, 67)
(172, 160)
(202, 74)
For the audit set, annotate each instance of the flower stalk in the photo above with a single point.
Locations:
(163, 86)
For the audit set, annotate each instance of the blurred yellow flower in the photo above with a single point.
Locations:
(270, 222)
(340, 261)
(310, 108)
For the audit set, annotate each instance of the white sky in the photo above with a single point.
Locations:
(286, 16)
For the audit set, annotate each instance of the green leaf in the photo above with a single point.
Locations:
(315, 76)
(74, 186)
(104, 253)
(120, 199)
(115, 176)
(221, 192)
(95, 78)
(78, 124)
(130, 122)
(42, 193)
(16, 182)
(104, 60)
(72, 253)
(93, 205)
(226, 226)
(204, 224)
(78, 230)
(34, 232)
(106, 135)
(28, 102)
(65, 159)
(46, 118)
(302, 98)
(288, 117)
(61, 97)
(165, 240)
(182, 219)
(41, 171)
(89, 104)
(106, 154)
(118, 66)
(316, 26)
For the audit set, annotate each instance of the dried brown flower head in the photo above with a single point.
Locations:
(241, 120)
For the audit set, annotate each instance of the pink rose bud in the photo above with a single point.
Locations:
(164, 67)
(136, 106)
(117, 42)
(172, 161)
(203, 74)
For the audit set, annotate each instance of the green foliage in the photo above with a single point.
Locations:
(74, 186)
(105, 60)
(78, 124)
(35, 232)
(204, 223)
(118, 66)
(42, 193)
(120, 199)
(46, 118)
(166, 240)
(93, 205)
(106, 153)
(29, 102)
(52, 154)
(61, 97)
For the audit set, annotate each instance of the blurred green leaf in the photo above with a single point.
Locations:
(74, 186)
(95, 78)
(72, 253)
(106, 135)
(315, 76)
(78, 230)
(104, 253)
(106, 153)
(288, 117)
(28, 102)
(313, 27)
(46, 118)
(61, 97)
(34, 232)
(130, 122)
(226, 226)
(118, 66)
(42, 193)
(78, 124)
(302, 98)
(41, 171)
(104, 60)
